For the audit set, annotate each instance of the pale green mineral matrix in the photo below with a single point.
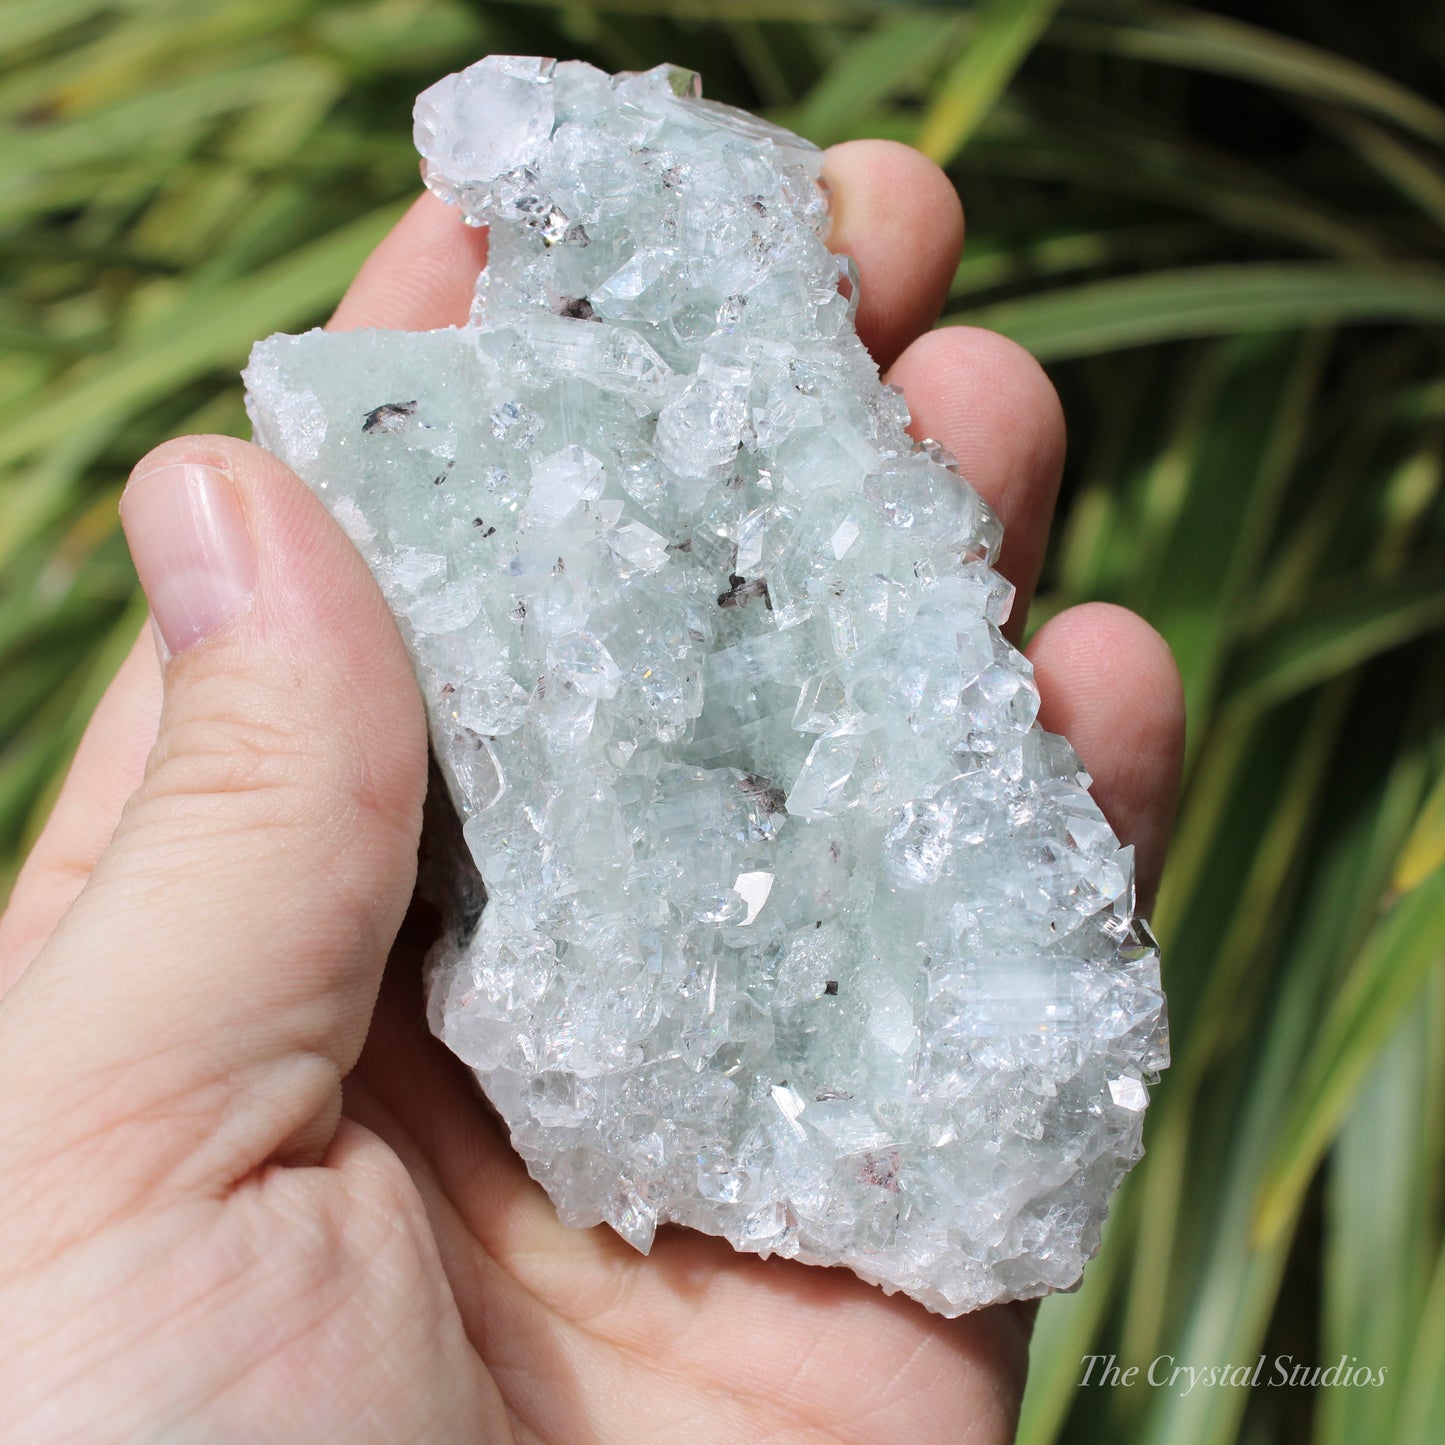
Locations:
(798, 929)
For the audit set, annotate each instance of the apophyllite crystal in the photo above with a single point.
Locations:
(797, 928)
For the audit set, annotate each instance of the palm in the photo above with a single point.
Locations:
(587, 1340)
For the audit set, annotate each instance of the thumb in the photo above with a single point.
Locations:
(195, 1009)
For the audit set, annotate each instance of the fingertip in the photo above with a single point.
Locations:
(955, 369)
(420, 277)
(1109, 683)
(202, 449)
(899, 217)
(993, 406)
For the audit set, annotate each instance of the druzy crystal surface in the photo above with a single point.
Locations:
(796, 928)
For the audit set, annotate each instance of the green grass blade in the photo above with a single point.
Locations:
(153, 117)
(1223, 1289)
(1140, 160)
(1211, 505)
(1227, 1004)
(991, 263)
(1423, 1406)
(36, 494)
(1404, 946)
(1379, 1219)
(29, 22)
(769, 75)
(1424, 850)
(898, 51)
(814, 12)
(1213, 301)
(1190, 38)
(214, 331)
(1357, 619)
(1412, 172)
(1003, 33)
(1365, 446)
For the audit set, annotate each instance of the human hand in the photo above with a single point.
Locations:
(244, 1196)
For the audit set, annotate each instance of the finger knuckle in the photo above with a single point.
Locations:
(251, 759)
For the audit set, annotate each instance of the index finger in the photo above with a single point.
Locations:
(421, 276)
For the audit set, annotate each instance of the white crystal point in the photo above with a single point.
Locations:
(493, 117)
(797, 928)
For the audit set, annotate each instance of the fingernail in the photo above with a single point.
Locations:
(191, 549)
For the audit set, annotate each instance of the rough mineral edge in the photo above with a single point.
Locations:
(797, 929)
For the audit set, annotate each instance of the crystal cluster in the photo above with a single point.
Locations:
(797, 928)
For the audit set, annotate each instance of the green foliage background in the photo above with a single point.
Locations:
(1226, 238)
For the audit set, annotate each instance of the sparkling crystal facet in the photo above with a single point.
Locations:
(797, 928)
